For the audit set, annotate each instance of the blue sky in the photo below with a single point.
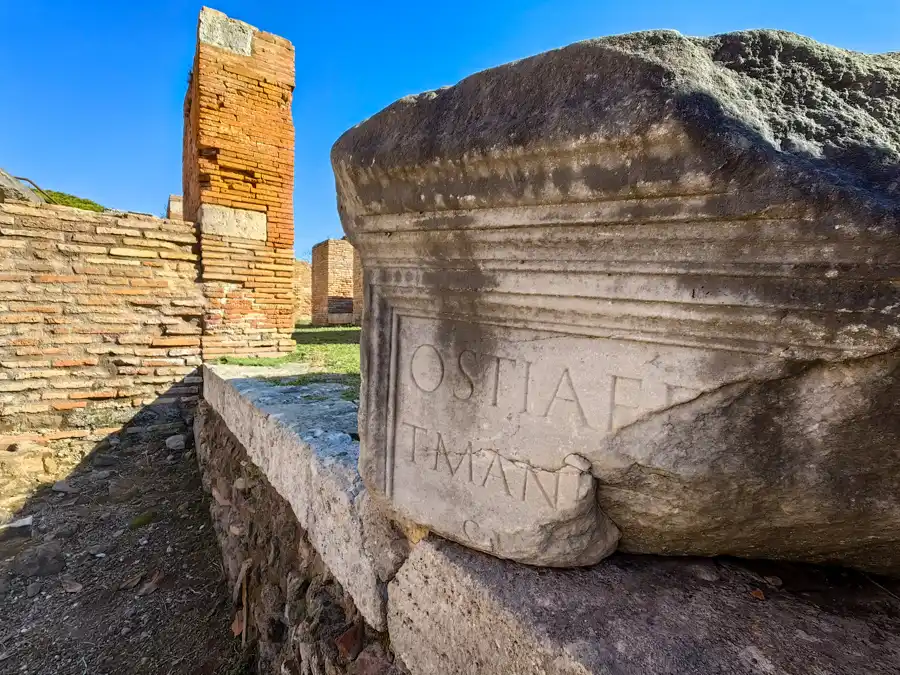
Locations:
(92, 90)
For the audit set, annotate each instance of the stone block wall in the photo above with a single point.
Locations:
(302, 291)
(238, 181)
(332, 282)
(100, 321)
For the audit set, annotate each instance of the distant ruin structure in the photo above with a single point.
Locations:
(175, 208)
(105, 317)
(333, 270)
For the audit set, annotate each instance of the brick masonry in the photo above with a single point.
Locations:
(100, 321)
(332, 282)
(302, 291)
(105, 317)
(239, 166)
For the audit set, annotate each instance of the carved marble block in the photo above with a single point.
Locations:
(614, 296)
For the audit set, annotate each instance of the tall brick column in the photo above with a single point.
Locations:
(238, 176)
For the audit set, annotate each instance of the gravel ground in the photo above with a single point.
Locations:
(121, 573)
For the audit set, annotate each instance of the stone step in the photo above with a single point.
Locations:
(453, 611)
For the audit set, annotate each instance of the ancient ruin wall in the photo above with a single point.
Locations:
(332, 282)
(302, 291)
(99, 321)
(238, 181)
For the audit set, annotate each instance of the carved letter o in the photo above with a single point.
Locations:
(427, 368)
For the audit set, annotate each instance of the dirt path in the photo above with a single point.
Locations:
(121, 573)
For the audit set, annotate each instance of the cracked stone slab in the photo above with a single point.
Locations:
(301, 438)
(453, 611)
(624, 294)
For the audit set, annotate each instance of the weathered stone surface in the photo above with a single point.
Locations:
(175, 208)
(454, 611)
(17, 529)
(221, 31)
(299, 437)
(175, 442)
(39, 561)
(13, 189)
(230, 222)
(645, 276)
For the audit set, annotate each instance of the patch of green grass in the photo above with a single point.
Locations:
(65, 199)
(332, 353)
(320, 335)
(332, 358)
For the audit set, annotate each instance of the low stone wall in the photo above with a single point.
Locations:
(99, 328)
(320, 558)
(291, 512)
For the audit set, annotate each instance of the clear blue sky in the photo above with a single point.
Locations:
(92, 89)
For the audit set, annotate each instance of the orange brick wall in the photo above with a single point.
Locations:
(99, 321)
(302, 291)
(332, 282)
(250, 300)
(239, 154)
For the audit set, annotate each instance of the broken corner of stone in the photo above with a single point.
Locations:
(627, 294)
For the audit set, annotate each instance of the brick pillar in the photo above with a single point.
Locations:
(332, 282)
(238, 176)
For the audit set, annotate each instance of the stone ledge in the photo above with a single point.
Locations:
(299, 436)
(453, 611)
